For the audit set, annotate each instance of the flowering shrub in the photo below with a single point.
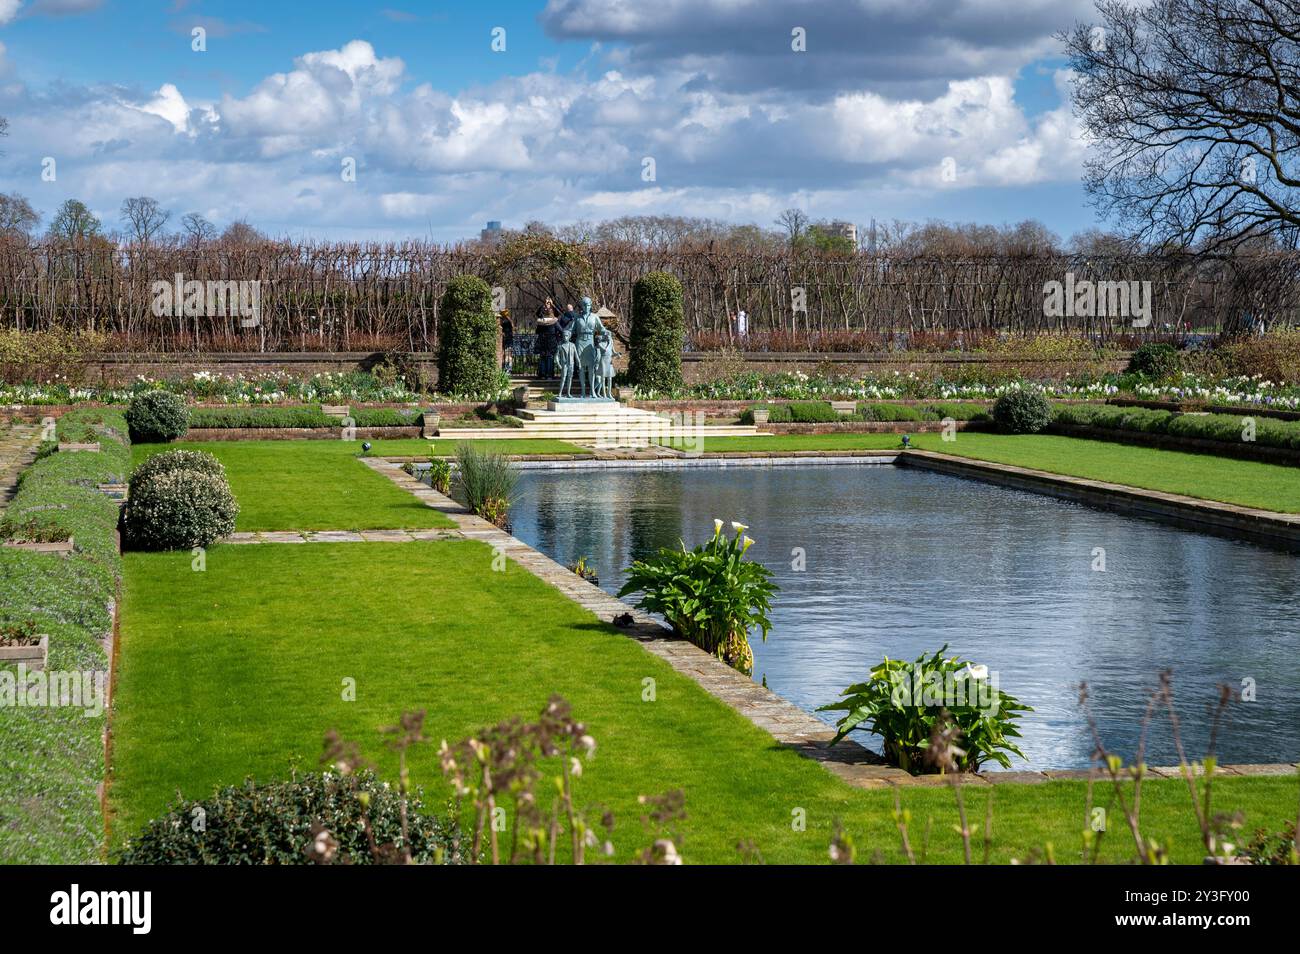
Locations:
(174, 460)
(157, 417)
(177, 510)
(709, 595)
(278, 823)
(905, 703)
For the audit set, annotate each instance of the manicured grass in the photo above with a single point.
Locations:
(309, 485)
(446, 447)
(1247, 483)
(240, 670)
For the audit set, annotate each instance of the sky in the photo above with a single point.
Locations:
(350, 120)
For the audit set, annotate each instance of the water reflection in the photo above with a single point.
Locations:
(899, 562)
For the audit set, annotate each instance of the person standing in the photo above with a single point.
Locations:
(507, 341)
(548, 318)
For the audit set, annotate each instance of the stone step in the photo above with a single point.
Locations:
(581, 434)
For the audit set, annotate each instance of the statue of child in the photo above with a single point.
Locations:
(605, 355)
(566, 353)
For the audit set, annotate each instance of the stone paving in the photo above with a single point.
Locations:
(18, 443)
(339, 536)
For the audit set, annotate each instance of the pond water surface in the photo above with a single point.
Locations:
(898, 562)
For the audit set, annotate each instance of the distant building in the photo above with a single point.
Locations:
(845, 230)
(491, 234)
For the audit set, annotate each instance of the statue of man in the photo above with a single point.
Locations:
(585, 328)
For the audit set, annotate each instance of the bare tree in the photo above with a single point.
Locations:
(794, 221)
(145, 217)
(198, 228)
(1194, 108)
(240, 232)
(17, 217)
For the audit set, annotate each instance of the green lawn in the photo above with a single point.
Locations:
(1248, 483)
(239, 671)
(309, 485)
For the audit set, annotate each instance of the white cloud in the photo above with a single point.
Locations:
(545, 145)
(9, 10)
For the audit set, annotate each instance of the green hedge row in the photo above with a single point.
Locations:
(821, 412)
(312, 416)
(52, 757)
(1228, 428)
(387, 417)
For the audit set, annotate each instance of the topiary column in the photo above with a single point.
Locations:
(467, 338)
(657, 333)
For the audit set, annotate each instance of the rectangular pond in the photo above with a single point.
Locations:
(875, 560)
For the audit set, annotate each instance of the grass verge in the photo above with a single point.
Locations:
(240, 670)
(309, 485)
(1273, 487)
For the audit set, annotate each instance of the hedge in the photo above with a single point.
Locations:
(310, 416)
(657, 334)
(275, 417)
(52, 757)
(387, 417)
(468, 333)
(820, 412)
(1226, 428)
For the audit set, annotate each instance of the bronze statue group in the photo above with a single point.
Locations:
(575, 341)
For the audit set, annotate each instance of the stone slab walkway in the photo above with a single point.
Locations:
(18, 444)
(339, 536)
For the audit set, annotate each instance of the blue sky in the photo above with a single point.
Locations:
(445, 132)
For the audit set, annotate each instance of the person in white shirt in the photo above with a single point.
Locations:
(742, 323)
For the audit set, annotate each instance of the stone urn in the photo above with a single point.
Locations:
(760, 415)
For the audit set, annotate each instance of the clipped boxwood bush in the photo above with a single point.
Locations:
(157, 417)
(467, 338)
(1022, 412)
(1156, 361)
(177, 510)
(276, 824)
(658, 330)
